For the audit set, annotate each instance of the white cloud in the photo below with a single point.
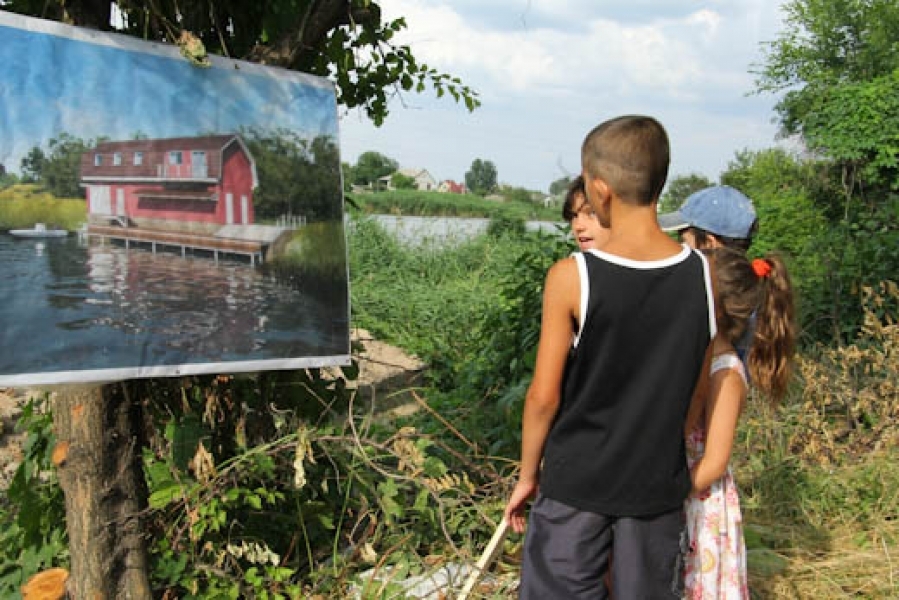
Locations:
(667, 55)
(547, 71)
(442, 38)
(707, 19)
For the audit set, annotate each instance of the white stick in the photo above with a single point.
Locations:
(487, 558)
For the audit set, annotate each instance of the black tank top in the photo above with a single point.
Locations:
(616, 446)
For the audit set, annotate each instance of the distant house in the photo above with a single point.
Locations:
(424, 181)
(206, 180)
(449, 186)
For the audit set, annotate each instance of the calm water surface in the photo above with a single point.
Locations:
(68, 305)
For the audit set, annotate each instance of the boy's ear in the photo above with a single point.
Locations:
(600, 198)
(602, 190)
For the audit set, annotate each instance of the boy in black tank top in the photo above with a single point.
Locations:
(610, 437)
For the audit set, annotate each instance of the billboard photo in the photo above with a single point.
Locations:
(160, 218)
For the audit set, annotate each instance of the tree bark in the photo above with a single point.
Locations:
(100, 471)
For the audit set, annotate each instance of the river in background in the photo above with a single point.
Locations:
(448, 230)
(70, 305)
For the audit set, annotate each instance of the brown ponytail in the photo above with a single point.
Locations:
(775, 330)
(757, 293)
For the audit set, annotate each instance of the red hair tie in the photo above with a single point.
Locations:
(761, 267)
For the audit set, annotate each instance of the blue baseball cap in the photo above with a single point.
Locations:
(721, 210)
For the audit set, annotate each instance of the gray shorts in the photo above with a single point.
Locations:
(567, 554)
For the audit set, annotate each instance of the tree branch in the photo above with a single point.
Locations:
(300, 45)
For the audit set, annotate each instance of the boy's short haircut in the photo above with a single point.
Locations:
(575, 187)
(631, 154)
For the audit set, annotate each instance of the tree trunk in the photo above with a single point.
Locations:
(100, 471)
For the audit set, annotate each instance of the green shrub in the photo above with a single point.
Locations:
(313, 254)
(32, 511)
(282, 485)
(417, 203)
(506, 226)
(23, 205)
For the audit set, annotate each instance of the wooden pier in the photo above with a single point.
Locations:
(254, 249)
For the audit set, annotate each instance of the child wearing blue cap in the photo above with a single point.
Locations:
(714, 217)
(717, 217)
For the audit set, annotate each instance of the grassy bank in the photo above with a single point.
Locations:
(418, 203)
(23, 205)
(440, 291)
(307, 489)
(818, 474)
(315, 253)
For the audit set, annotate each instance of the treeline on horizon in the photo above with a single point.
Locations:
(297, 175)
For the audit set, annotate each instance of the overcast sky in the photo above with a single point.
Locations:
(547, 71)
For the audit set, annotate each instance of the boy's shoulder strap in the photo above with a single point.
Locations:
(710, 293)
(584, 277)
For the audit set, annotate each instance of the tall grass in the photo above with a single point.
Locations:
(317, 250)
(401, 496)
(814, 531)
(414, 202)
(427, 297)
(23, 205)
(819, 475)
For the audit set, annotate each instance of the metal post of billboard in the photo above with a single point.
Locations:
(98, 457)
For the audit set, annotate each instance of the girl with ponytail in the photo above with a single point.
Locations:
(750, 295)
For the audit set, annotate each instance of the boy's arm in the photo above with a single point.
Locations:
(696, 411)
(561, 297)
(725, 403)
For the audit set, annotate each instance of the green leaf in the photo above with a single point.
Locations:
(326, 521)
(255, 501)
(765, 562)
(164, 496)
(434, 467)
(421, 500)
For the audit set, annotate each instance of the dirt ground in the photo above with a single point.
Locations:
(384, 370)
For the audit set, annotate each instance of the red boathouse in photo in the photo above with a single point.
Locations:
(195, 184)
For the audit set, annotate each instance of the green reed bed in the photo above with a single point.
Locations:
(423, 296)
(818, 474)
(316, 252)
(309, 492)
(414, 202)
(21, 206)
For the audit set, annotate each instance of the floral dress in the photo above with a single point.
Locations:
(716, 558)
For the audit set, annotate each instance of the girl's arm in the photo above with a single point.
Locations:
(560, 304)
(725, 403)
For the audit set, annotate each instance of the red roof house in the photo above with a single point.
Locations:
(451, 187)
(174, 183)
